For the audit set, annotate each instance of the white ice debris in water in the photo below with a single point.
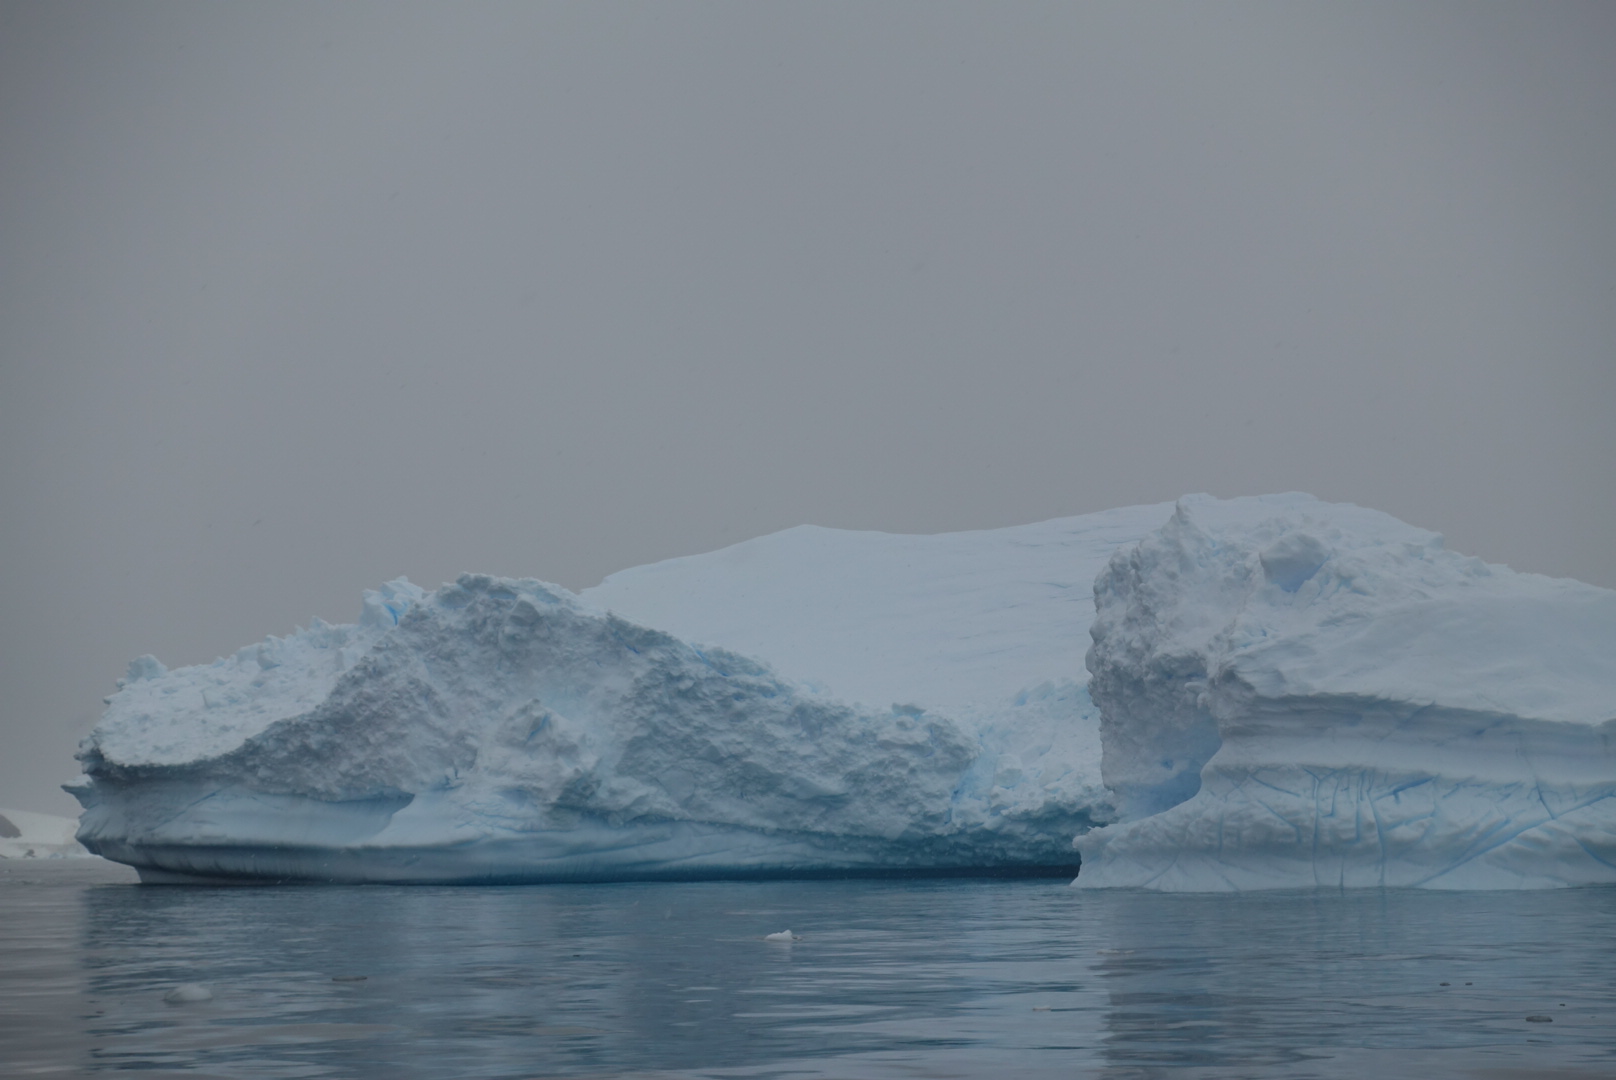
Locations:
(1298, 694)
(187, 993)
(784, 935)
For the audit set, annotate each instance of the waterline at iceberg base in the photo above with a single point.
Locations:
(1278, 692)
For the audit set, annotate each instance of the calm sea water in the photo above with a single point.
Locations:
(889, 979)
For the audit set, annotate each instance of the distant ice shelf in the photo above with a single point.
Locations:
(28, 835)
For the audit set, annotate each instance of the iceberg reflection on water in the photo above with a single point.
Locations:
(886, 979)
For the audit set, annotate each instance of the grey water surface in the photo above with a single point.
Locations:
(952, 978)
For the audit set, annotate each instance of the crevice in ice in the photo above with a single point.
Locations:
(1271, 787)
(1380, 838)
(1595, 856)
(1396, 792)
(1287, 821)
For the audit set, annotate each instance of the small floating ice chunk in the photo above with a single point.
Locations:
(185, 993)
(784, 935)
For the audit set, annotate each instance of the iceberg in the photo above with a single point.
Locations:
(1298, 694)
(1278, 692)
(921, 710)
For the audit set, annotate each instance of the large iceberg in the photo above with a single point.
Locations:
(921, 709)
(1284, 692)
(1296, 694)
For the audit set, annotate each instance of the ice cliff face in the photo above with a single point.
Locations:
(1297, 694)
(504, 730)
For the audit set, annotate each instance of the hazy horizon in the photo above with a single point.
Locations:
(298, 298)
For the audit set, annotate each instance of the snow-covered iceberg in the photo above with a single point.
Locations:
(501, 730)
(1284, 693)
(1295, 694)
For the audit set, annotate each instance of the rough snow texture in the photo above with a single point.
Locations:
(506, 730)
(1295, 694)
(985, 627)
(27, 835)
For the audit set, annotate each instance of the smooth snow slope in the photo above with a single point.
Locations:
(1295, 693)
(957, 622)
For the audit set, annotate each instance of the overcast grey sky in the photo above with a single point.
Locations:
(295, 298)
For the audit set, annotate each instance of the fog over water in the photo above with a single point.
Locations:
(296, 298)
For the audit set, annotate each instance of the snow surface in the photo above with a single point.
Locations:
(955, 621)
(507, 730)
(1297, 693)
(27, 835)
